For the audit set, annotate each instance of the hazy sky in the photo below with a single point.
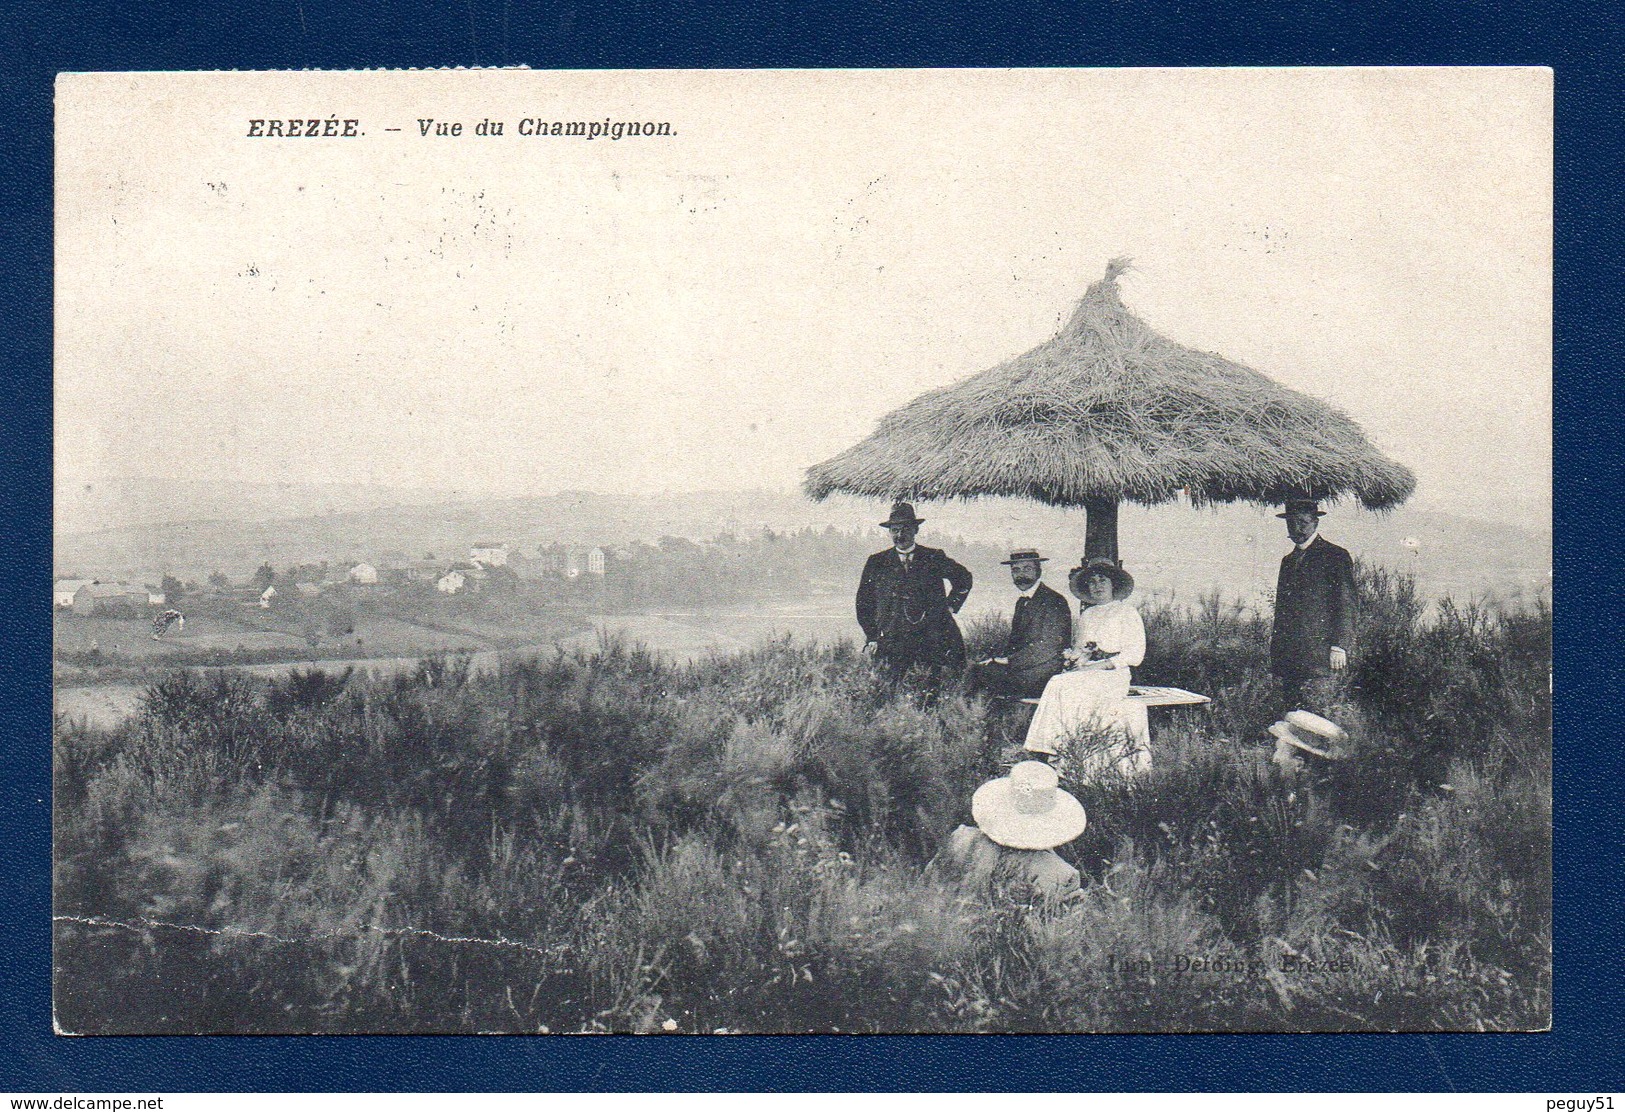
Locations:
(724, 307)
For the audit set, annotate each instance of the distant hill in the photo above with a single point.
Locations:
(1170, 548)
(1237, 549)
(86, 506)
(236, 539)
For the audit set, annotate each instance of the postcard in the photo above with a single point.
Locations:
(840, 551)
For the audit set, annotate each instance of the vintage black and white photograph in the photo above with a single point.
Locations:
(850, 551)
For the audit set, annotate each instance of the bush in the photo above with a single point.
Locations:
(607, 841)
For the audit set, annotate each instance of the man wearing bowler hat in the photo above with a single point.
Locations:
(1040, 632)
(1314, 612)
(906, 613)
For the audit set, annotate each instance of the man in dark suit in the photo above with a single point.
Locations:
(906, 615)
(1314, 612)
(1040, 630)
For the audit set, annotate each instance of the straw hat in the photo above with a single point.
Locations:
(1321, 743)
(1025, 555)
(1027, 809)
(1315, 724)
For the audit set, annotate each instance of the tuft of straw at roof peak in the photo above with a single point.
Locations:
(1115, 267)
(1101, 296)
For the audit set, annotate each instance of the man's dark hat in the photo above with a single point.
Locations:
(901, 514)
(1024, 555)
(1122, 581)
(1302, 506)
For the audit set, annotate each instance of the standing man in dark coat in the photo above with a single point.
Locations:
(1040, 631)
(1314, 612)
(906, 615)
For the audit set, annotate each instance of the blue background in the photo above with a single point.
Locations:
(1582, 42)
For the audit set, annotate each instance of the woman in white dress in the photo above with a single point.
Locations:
(1087, 705)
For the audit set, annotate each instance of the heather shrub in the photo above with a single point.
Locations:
(606, 840)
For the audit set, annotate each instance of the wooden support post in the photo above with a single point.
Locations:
(1100, 530)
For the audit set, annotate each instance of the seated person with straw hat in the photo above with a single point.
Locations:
(1089, 702)
(1301, 734)
(1040, 632)
(1020, 819)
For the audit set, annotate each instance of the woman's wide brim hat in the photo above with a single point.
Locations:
(901, 514)
(1027, 809)
(1122, 581)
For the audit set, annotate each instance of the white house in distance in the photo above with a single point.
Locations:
(363, 573)
(63, 590)
(266, 596)
(595, 562)
(414, 571)
(109, 599)
(493, 554)
(461, 576)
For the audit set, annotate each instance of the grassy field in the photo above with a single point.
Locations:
(92, 650)
(605, 841)
(128, 641)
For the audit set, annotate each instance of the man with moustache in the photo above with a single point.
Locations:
(1040, 631)
(906, 614)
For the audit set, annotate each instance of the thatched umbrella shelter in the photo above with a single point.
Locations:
(1109, 411)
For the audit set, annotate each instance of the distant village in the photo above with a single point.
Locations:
(488, 564)
(677, 570)
(392, 603)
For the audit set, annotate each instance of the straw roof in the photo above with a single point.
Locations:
(1111, 410)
